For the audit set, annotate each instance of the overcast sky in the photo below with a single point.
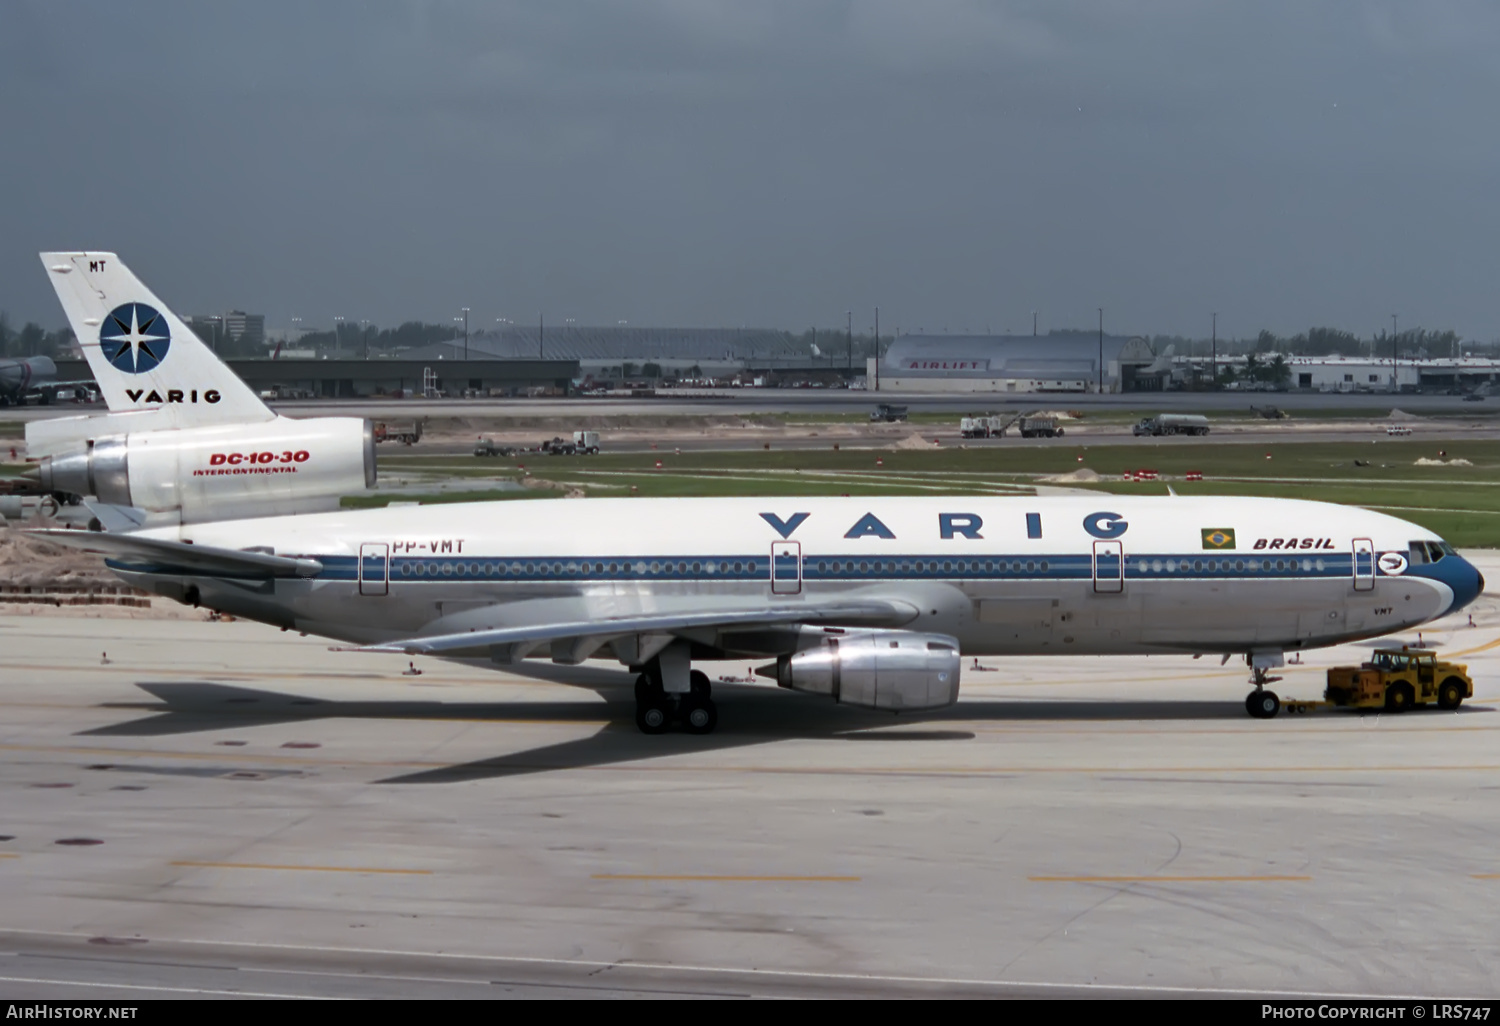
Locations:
(697, 162)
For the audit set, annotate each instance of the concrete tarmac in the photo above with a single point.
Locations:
(220, 809)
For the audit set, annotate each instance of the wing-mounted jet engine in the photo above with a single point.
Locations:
(221, 472)
(895, 670)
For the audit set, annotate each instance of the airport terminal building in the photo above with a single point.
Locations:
(1060, 361)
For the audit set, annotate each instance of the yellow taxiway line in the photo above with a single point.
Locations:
(303, 869)
(1169, 879)
(696, 877)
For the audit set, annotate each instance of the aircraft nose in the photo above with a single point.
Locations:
(1466, 584)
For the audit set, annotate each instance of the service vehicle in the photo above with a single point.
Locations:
(979, 427)
(888, 413)
(406, 434)
(1397, 429)
(584, 443)
(489, 447)
(1172, 424)
(1040, 427)
(1395, 680)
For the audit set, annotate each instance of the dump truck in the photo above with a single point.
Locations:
(1040, 427)
(1172, 424)
(1398, 679)
(404, 433)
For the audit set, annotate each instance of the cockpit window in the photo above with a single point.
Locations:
(1429, 552)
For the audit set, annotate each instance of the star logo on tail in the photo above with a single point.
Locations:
(134, 338)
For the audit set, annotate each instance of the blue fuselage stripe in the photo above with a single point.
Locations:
(844, 569)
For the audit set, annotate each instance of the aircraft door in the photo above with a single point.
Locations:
(374, 568)
(1109, 567)
(786, 568)
(1364, 564)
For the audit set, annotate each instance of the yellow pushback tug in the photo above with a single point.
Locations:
(1395, 680)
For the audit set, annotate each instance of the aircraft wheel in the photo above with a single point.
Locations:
(1451, 693)
(652, 717)
(1399, 698)
(700, 716)
(1262, 704)
(701, 688)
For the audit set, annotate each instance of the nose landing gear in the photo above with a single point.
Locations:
(1262, 703)
(657, 706)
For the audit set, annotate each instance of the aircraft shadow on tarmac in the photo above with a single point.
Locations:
(749, 715)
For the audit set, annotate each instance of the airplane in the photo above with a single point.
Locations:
(186, 440)
(873, 602)
(21, 377)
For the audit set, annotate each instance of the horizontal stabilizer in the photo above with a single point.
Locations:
(116, 518)
(863, 612)
(159, 556)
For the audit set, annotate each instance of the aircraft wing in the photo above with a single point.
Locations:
(131, 552)
(594, 633)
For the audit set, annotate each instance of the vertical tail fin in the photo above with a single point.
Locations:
(143, 356)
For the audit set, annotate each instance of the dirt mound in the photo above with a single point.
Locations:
(1081, 474)
(1457, 462)
(29, 562)
(1402, 417)
(914, 441)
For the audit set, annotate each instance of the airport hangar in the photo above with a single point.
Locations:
(1060, 361)
(346, 378)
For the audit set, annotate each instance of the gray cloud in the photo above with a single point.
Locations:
(668, 161)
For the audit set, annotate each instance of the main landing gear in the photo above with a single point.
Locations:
(1262, 703)
(657, 707)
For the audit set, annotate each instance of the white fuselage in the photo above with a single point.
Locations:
(1075, 574)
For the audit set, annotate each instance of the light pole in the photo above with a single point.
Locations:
(1395, 357)
(1214, 377)
(466, 332)
(849, 348)
(1033, 324)
(338, 341)
(1101, 350)
(364, 336)
(877, 333)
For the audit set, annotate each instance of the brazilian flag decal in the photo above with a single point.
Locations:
(1218, 537)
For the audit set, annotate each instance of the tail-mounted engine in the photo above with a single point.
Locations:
(222, 472)
(875, 669)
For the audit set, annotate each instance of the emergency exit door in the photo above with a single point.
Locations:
(786, 567)
(1109, 567)
(1364, 564)
(374, 568)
